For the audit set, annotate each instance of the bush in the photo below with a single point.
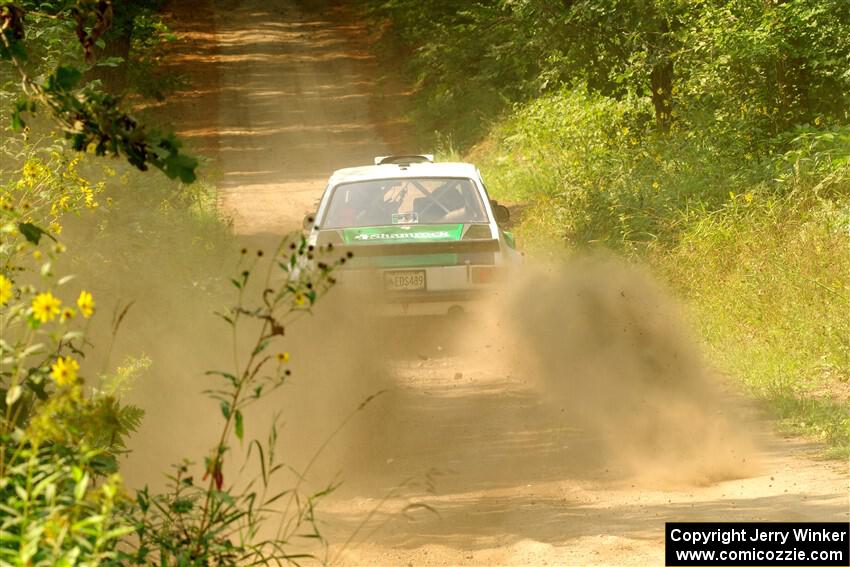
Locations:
(757, 246)
(55, 513)
(62, 430)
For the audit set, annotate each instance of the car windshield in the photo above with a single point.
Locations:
(426, 200)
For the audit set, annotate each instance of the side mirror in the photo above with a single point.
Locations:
(307, 223)
(501, 213)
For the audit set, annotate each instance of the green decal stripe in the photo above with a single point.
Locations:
(403, 233)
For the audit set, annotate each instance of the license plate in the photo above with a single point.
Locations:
(408, 280)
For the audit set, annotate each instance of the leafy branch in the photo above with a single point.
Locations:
(211, 522)
(91, 119)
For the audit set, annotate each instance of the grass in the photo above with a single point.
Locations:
(755, 242)
(768, 286)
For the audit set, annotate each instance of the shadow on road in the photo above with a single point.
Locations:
(281, 99)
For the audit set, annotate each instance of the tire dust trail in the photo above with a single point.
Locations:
(282, 97)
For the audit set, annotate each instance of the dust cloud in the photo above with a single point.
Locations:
(342, 385)
(162, 272)
(168, 274)
(602, 346)
(609, 347)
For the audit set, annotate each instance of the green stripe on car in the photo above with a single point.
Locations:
(403, 233)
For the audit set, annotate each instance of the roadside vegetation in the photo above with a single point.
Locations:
(709, 139)
(82, 235)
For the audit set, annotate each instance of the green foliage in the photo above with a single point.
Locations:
(90, 118)
(709, 138)
(212, 522)
(53, 513)
(64, 435)
(59, 494)
(757, 246)
(730, 66)
(768, 277)
(38, 191)
(595, 177)
(565, 151)
(141, 71)
(466, 61)
(765, 67)
(62, 427)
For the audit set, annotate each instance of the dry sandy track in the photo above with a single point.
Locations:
(280, 98)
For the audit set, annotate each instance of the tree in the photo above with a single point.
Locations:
(90, 118)
(118, 42)
(749, 67)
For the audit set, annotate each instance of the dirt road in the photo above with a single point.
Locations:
(280, 98)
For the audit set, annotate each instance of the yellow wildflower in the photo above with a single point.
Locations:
(31, 172)
(64, 371)
(86, 304)
(88, 195)
(30, 169)
(45, 307)
(299, 298)
(283, 357)
(748, 197)
(66, 315)
(5, 289)
(36, 254)
(655, 185)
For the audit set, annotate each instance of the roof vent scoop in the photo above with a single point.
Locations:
(404, 159)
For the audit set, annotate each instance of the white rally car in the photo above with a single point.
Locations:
(425, 233)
